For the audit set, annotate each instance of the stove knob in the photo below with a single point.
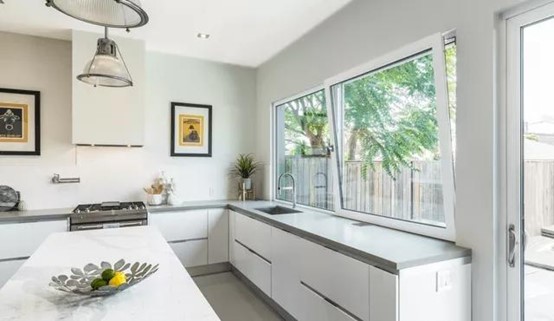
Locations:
(77, 211)
(142, 207)
(135, 207)
(87, 210)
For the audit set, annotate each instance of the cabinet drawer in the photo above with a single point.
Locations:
(22, 239)
(191, 253)
(318, 308)
(254, 234)
(8, 269)
(337, 277)
(180, 226)
(256, 269)
(218, 236)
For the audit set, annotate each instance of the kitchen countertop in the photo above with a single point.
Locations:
(388, 249)
(169, 294)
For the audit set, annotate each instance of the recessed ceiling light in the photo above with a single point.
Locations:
(203, 35)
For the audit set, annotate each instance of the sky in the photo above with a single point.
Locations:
(538, 58)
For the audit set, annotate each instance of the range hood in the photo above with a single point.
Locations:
(103, 116)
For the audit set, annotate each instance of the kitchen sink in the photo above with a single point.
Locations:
(278, 210)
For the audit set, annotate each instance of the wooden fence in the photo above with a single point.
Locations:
(414, 194)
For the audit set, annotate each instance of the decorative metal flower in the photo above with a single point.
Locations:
(79, 282)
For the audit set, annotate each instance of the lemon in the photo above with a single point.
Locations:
(118, 279)
(107, 275)
(98, 283)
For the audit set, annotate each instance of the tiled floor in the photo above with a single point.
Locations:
(232, 300)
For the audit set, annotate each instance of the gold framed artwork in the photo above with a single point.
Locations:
(191, 130)
(19, 122)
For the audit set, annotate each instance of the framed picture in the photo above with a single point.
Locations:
(19, 122)
(191, 130)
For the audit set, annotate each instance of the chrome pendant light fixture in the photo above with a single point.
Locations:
(106, 13)
(106, 69)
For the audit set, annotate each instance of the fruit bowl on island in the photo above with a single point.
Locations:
(104, 279)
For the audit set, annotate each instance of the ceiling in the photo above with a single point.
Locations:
(243, 32)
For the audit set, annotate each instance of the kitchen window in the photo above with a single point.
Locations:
(302, 148)
(394, 137)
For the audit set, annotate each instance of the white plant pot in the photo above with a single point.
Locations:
(247, 183)
(154, 199)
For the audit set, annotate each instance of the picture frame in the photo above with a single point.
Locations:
(191, 130)
(19, 122)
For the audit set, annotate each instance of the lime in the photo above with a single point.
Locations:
(98, 283)
(118, 279)
(107, 275)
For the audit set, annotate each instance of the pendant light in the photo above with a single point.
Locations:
(106, 69)
(106, 13)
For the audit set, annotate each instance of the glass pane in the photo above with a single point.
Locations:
(302, 149)
(389, 134)
(538, 170)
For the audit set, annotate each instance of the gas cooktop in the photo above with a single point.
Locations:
(109, 206)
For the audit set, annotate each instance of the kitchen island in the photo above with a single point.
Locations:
(169, 294)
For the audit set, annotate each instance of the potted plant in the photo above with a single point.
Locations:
(245, 166)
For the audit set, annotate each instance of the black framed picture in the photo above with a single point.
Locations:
(19, 122)
(191, 130)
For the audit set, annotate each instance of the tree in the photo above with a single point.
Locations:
(390, 116)
(306, 124)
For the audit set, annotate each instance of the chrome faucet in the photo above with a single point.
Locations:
(293, 187)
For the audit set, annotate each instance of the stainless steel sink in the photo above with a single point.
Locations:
(277, 210)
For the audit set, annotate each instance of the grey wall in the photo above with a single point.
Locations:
(120, 173)
(367, 29)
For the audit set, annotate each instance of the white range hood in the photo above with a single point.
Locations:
(105, 116)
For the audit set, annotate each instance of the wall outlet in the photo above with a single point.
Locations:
(444, 280)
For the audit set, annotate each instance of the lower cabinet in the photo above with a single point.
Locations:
(255, 267)
(191, 253)
(8, 269)
(319, 308)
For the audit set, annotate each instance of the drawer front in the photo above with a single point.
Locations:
(191, 253)
(254, 234)
(22, 239)
(318, 308)
(180, 226)
(232, 220)
(256, 269)
(337, 277)
(218, 236)
(8, 269)
(383, 295)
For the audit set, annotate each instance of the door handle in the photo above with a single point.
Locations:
(512, 245)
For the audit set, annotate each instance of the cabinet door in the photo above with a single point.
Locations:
(218, 236)
(232, 218)
(383, 295)
(20, 240)
(254, 234)
(338, 277)
(181, 226)
(191, 253)
(254, 267)
(285, 271)
(318, 308)
(8, 269)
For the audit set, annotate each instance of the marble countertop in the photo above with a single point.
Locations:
(170, 294)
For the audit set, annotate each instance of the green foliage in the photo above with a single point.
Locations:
(390, 116)
(245, 166)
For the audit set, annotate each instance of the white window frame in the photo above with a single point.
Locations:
(273, 155)
(435, 43)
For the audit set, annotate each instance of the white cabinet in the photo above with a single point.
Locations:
(253, 266)
(20, 240)
(232, 220)
(191, 253)
(383, 295)
(218, 236)
(254, 234)
(8, 269)
(187, 234)
(285, 271)
(337, 277)
(102, 115)
(318, 308)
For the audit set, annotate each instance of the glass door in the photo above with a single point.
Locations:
(529, 171)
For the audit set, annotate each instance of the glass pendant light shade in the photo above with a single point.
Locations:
(106, 69)
(107, 13)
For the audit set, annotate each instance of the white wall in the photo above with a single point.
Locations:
(367, 29)
(120, 173)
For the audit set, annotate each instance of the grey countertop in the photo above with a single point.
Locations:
(388, 249)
